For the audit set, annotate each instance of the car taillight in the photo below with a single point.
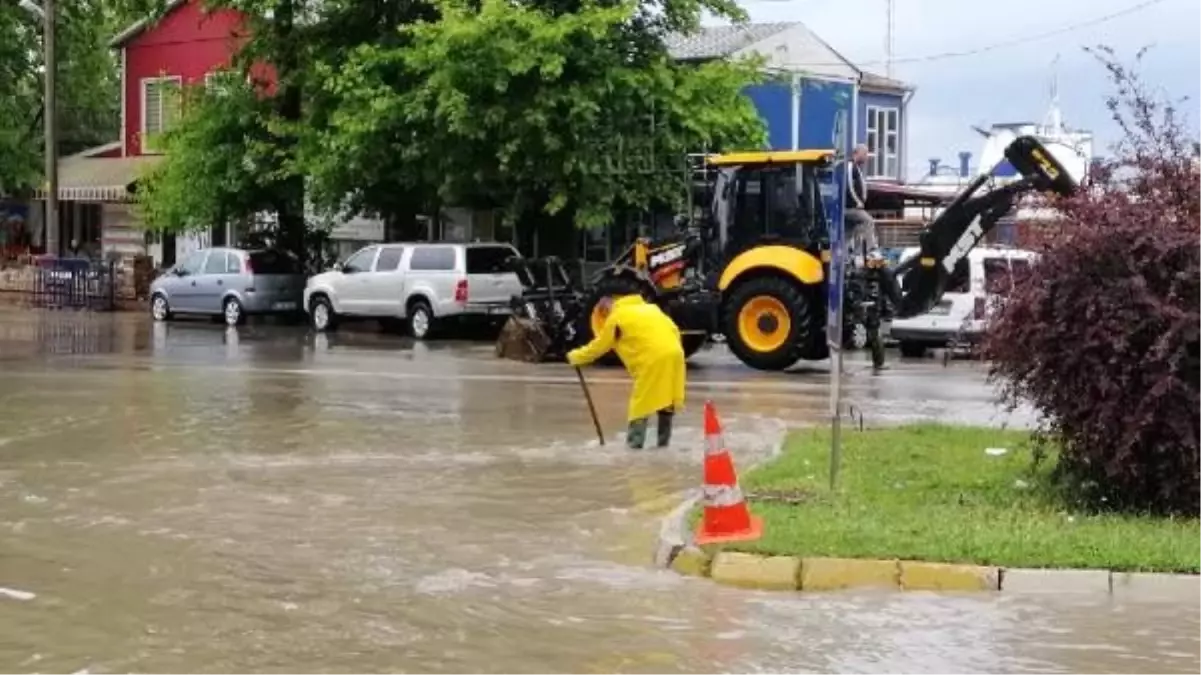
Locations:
(980, 308)
(461, 291)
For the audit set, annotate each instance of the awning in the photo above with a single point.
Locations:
(99, 179)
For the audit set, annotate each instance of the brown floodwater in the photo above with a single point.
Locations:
(184, 498)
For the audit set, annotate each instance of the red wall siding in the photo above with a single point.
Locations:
(188, 42)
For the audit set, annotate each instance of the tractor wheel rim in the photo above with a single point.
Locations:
(321, 316)
(421, 323)
(232, 312)
(764, 324)
(158, 308)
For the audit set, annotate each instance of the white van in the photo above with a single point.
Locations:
(962, 313)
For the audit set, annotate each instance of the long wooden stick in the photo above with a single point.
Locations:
(600, 435)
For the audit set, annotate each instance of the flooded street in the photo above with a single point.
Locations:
(182, 498)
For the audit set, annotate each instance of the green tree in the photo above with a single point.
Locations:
(235, 158)
(218, 163)
(88, 85)
(534, 109)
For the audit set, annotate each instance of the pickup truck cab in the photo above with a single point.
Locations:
(422, 284)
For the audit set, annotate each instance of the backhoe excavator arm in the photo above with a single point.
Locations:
(962, 224)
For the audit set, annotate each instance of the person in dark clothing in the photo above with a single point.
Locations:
(861, 227)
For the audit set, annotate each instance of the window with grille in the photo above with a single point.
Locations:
(883, 142)
(161, 98)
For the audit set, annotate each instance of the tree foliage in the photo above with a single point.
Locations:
(516, 106)
(1102, 336)
(397, 108)
(87, 87)
(220, 162)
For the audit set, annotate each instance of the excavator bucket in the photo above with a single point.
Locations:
(542, 325)
(963, 223)
(1034, 161)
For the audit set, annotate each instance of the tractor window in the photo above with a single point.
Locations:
(748, 222)
(767, 202)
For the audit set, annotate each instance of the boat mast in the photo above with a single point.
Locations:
(889, 44)
(1053, 123)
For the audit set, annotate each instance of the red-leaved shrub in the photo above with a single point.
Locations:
(1102, 335)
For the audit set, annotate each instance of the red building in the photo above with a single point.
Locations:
(187, 45)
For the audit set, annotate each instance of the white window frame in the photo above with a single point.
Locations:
(144, 84)
(876, 128)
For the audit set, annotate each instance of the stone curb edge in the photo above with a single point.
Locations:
(675, 551)
(746, 570)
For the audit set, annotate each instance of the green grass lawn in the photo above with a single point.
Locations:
(929, 492)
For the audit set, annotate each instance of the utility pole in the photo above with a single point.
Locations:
(50, 118)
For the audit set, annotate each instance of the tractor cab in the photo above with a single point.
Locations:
(768, 197)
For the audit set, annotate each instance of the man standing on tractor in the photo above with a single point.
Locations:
(861, 227)
(648, 342)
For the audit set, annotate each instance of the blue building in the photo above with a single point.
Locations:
(809, 84)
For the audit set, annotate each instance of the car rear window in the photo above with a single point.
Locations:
(273, 262)
(1000, 274)
(488, 259)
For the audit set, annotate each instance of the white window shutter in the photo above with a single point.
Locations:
(152, 113)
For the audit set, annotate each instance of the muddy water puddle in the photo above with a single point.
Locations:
(272, 506)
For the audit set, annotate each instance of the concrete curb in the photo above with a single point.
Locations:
(675, 551)
(793, 573)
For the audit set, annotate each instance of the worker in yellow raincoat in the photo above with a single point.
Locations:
(648, 342)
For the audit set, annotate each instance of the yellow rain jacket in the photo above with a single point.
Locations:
(648, 342)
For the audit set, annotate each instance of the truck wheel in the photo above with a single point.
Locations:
(321, 314)
(421, 320)
(590, 320)
(912, 350)
(768, 322)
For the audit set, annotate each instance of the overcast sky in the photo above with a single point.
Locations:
(1010, 83)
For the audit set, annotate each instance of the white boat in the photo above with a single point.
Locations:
(1072, 147)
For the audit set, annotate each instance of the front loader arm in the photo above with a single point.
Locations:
(964, 223)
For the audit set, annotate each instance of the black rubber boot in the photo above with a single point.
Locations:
(636, 434)
(664, 427)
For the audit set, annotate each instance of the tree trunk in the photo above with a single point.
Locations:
(290, 205)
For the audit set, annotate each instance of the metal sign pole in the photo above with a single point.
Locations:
(835, 286)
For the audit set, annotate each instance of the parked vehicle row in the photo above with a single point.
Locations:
(425, 286)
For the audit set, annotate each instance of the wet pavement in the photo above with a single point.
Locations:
(186, 498)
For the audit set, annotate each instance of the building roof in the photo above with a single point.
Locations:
(140, 26)
(716, 42)
(873, 81)
(99, 179)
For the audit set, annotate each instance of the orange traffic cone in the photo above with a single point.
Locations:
(726, 515)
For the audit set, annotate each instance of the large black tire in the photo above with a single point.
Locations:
(912, 350)
(615, 285)
(772, 341)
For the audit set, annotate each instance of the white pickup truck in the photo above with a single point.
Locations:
(422, 284)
